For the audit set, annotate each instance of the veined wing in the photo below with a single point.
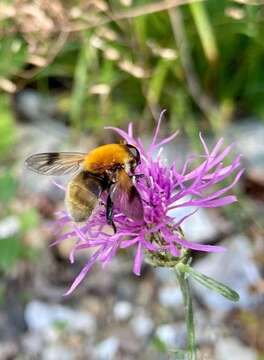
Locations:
(55, 163)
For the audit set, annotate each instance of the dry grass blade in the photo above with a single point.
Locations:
(151, 8)
(136, 12)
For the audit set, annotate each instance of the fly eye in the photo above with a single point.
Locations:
(135, 153)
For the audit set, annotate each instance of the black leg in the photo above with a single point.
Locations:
(109, 212)
(135, 177)
(138, 176)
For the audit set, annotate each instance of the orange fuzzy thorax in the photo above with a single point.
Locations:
(106, 157)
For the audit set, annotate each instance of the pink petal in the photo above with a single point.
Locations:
(138, 260)
(156, 132)
(83, 273)
(166, 140)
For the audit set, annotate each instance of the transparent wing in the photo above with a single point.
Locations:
(55, 163)
(127, 199)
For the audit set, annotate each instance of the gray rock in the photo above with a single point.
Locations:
(231, 349)
(9, 350)
(248, 137)
(199, 227)
(9, 227)
(33, 343)
(142, 325)
(107, 349)
(235, 268)
(34, 106)
(44, 317)
(165, 275)
(170, 296)
(56, 352)
(207, 330)
(122, 310)
(172, 335)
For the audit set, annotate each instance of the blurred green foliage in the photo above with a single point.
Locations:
(8, 187)
(159, 345)
(29, 219)
(13, 55)
(7, 127)
(201, 61)
(12, 247)
(10, 250)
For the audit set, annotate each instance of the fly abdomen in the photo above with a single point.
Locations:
(82, 196)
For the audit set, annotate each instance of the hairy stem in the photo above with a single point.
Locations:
(187, 299)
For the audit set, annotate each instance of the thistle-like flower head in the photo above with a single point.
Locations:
(162, 188)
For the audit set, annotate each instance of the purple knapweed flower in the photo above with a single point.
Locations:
(163, 188)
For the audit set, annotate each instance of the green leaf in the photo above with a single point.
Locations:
(181, 354)
(81, 80)
(8, 186)
(29, 219)
(2, 294)
(157, 81)
(7, 126)
(209, 282)
(205, 30)
(260, 356)
(13, 55)
(61, 325)
(159, 345)
(10, 251)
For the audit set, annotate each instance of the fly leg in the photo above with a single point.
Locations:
(138, 176)
(109, 212)
(135, 177)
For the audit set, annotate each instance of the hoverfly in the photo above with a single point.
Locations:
(107, 168)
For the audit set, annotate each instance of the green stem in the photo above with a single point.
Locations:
(187, 299)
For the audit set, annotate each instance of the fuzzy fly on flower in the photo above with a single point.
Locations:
(149, 225)
(108, 168)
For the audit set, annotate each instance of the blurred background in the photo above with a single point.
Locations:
(69, 68)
